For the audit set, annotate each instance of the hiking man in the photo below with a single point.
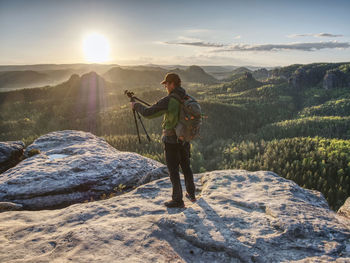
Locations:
(177, 152)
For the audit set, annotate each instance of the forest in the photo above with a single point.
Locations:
(293, 120)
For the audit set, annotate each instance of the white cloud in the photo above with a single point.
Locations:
(195, 43)
(306, 46)
(314, 35)
(312, 46)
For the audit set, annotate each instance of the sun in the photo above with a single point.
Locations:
(96, 48)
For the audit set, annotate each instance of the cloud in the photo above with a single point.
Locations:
(315, 35)
(195, 43)
(292, 46)
(220, 47)
(237, 37)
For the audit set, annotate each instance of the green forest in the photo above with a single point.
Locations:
(293, 120)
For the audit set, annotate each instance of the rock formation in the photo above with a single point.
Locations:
(239, 216)
(10, 154)
(72, 166)
(299, 79)
(334, 79)
(317, 75)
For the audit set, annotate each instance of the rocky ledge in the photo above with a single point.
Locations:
(70, 167)
(239, 216)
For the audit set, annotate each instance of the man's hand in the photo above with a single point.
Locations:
(132, 104)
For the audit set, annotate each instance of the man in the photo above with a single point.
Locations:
(176, 151)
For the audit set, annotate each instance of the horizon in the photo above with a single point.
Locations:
(252, 67)
(238, 33)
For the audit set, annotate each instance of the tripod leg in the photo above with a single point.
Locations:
(138, 115)
(137, 127)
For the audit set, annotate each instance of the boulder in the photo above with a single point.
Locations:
(71, 166)
(344, 210)
(239, 216)
(10, 154)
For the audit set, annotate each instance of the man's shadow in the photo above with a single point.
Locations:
(201, 238)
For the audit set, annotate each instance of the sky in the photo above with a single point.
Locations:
(201, 32)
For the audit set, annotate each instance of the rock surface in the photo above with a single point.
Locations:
(8, 206)
(72, 166)
(344, 210)
(10, 154)
(240, 216)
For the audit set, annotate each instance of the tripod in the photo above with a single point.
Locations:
(130, 94)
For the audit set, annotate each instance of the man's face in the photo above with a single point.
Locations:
(169, 86)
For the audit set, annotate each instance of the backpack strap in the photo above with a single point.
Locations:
(176, 96)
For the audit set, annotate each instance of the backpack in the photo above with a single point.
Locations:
(190, 118)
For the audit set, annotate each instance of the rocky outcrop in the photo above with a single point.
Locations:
(261, 74)
(335, 79)
(298, 79)
(245, 82)
(10, 154)
(315, 75)
(72, 166)
(344, 210)
(239, 216)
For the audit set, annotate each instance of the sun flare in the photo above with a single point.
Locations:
(96, 48)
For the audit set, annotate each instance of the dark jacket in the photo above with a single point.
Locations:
(170, 107)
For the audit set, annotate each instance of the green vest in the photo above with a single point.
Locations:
(171, 116)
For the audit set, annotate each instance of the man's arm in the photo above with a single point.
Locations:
(156, 110)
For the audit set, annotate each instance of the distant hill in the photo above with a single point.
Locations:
(76, 88)
(195, 74)
(42, 67)
(245, 82)
(135, 77)
(326, 75)
(144, 76)
(27, 78)
(42, 75)
(128, 76)
(259, 74)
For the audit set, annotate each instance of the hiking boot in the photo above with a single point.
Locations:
(190, 197)
(173, 203)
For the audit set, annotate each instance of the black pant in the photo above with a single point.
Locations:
(179, 154)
